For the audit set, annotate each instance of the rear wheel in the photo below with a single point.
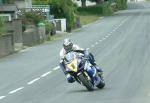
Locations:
(86, 82)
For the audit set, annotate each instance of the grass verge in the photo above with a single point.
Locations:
(86, 19)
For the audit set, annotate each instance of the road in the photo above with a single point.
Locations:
(121, 45)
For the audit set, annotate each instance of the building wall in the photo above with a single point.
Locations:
(23, 3)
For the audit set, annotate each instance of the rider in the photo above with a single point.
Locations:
(69, 46)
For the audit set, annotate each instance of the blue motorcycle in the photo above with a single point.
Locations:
(83, 71)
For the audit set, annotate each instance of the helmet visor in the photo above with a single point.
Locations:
(68, 48)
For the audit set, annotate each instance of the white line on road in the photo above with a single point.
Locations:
(114, 30)
(14, 91)
(100, 40)
(34, 80)
(149, 94)
(45, 74)
(1, 97)
(96, 43)
(88, 48)
(92, 45)
(56, 68)
(119, 25)
(109, 34)
(104, 38)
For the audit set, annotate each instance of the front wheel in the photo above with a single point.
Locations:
(102, 83)
(86, 82)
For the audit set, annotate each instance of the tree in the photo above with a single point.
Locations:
(83, 2)
(8, 1)
(97, 1)
(64, 9)
(40, 2)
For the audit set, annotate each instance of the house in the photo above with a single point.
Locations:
(9, 11)
(23, 3)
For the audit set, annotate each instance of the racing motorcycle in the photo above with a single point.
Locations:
(78, 66)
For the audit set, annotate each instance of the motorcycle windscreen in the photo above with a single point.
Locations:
(72, 66)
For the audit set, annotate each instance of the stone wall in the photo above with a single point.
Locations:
(16, 27)
(6, 45)
(30, 36)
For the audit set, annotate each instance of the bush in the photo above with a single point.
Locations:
(114, 6)
(101, 9)
(40, 2)
(121, 4)
(107, 9)
(48, 27)
(32, 17)
(97, 9)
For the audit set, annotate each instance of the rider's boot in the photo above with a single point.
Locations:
(70, 78)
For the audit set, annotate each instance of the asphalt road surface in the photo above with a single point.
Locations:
(121, 46)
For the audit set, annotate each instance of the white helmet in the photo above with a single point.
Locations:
(67, 45)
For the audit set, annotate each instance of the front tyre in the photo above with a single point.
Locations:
(86, 82)
(101, 84)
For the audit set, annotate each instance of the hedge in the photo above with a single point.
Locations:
(90, 10)
(101, 9)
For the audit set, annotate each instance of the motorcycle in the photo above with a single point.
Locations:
(78, 66)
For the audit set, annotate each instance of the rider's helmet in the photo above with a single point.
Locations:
(67, 44)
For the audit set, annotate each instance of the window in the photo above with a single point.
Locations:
(6, 17)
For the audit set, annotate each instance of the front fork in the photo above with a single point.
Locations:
(92, 72)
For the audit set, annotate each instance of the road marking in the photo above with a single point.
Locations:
(31, 82)
(87, 48)
(1, 97)
(149, 94)
(104, 38)
(45, 74)
(114, 30)
(100, 40)
(96, 43)
(117, 28)
(111, 32)
(119, 25)
(92, 45)
(56, 68)
(16, 90)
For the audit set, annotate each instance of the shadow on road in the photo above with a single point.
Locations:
(86, 91)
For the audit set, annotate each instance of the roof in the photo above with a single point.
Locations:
(8, 8)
